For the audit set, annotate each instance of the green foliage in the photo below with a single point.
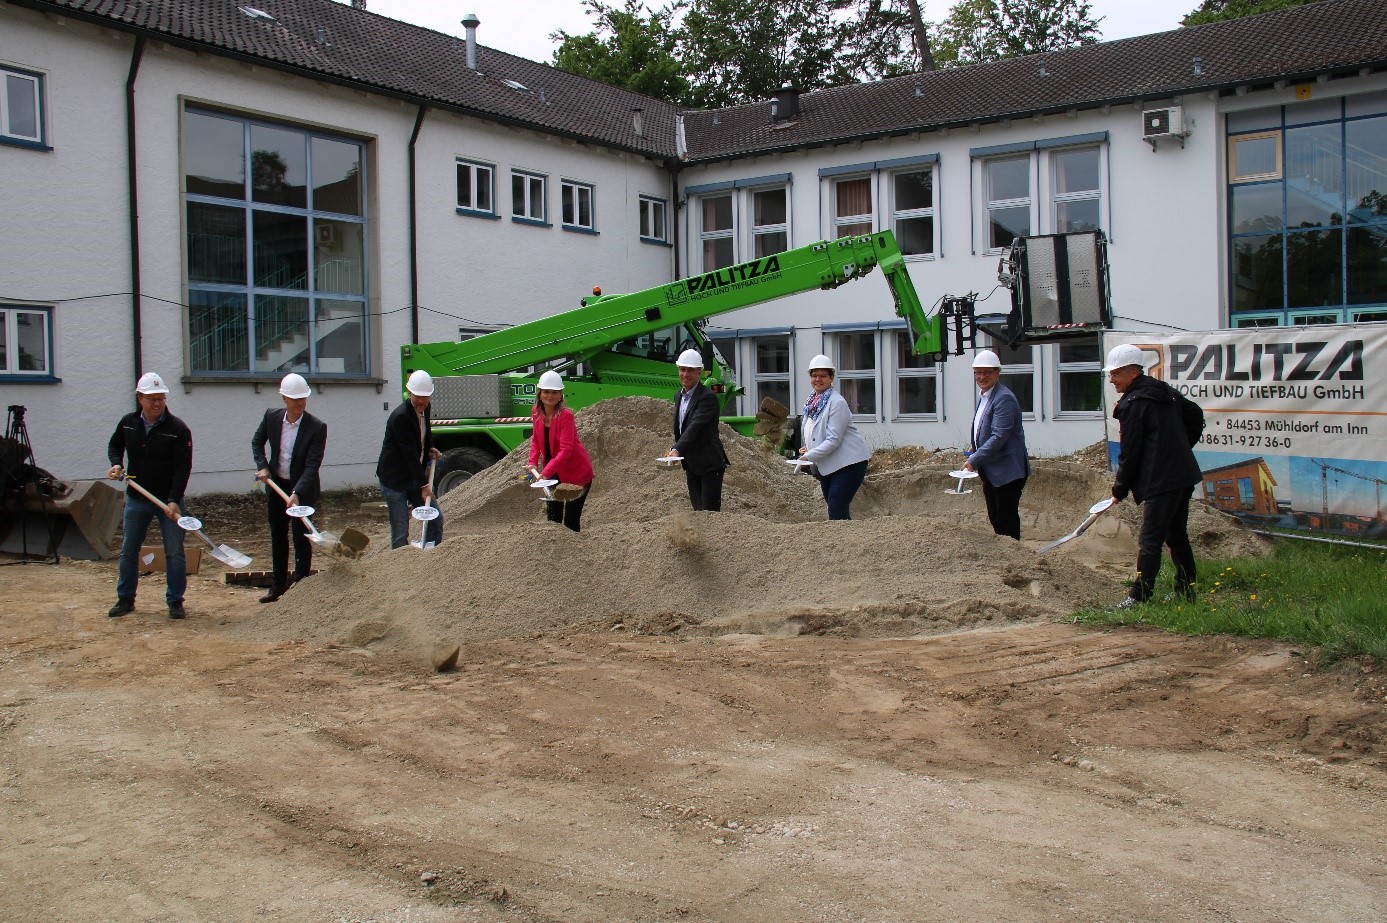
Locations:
(1326, 595)
(977, 31)
(1219, 10)
(628, 49)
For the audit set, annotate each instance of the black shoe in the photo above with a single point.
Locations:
(122, 607)
(176, 611)
(275, 593)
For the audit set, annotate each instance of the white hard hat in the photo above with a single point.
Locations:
(293, 385)
(551, 381)
(986, 359)
(151, 383)
(1125, 355)
(420, 383)
(690, 359)
(821, 362)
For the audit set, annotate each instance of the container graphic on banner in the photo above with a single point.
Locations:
(1295, 432)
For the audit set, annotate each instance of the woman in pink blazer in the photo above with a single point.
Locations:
(557, 452)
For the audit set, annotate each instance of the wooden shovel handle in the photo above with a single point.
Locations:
(279, 490)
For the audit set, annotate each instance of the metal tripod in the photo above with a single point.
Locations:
(17, 472)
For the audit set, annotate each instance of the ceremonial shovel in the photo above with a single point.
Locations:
(224, 553)
(1093, 513)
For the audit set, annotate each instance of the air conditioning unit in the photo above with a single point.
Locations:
(1163, 123)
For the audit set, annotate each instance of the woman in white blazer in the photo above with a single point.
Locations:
(831, 441)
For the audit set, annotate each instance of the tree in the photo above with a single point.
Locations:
(735, 51)
(988, 30)
(883, 38)
(1219, 10)
(629, 48)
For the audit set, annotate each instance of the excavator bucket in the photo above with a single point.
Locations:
(78, 520)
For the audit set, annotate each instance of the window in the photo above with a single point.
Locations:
(527, 198)
(1080, 377)
(276, 248)
(476, 188)
(716, 231)
(1307, 211)
(1018, 372)
(576, 201)
(857, 372)
(852, 207)
(653, 224)
(912, 211)
(772, 376)
(21, 107)
(917, 381)
(770, 228)
(1008, 184)
(26, 347)
(1076, 197)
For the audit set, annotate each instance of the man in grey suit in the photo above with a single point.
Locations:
(999, 446)
(696, 434)
(297, 441)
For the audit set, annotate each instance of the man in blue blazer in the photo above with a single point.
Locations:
(297, 441)
(696, 434)
(999, 446)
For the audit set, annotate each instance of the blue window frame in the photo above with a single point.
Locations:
(26, 342)
(1307, 211)
(276, 227)
(22, 116)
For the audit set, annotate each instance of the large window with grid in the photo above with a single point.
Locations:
(917, 381)
(1307, 211)
(26, 342)
(912, 210)
(276, 224)
(856, 378)
(1007, 184)
(21, 108)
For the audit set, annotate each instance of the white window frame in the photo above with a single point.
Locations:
(706, 236)
(1084, 195)
(7, 132)
(9, 340)
(872, 375)
(572, 192)
(759, 379)
(902, 339)
(1093, 367)
(990, 204)
(899, 214)
(648, 208)
(839, 222)
(480, 176)
(759, 231)
(1017, 369)
(532, 205)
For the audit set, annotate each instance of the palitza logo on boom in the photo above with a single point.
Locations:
(741, 274)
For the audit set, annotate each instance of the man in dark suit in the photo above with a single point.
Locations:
(404, 452)
(696, 434)
(999, 446)
(297, 441)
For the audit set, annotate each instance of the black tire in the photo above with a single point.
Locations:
(457, 465)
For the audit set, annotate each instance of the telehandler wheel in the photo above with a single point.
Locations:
(457, 465)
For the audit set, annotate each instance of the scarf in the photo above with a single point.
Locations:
(816, 403)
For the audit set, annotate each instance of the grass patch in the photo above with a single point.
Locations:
(1331, 596)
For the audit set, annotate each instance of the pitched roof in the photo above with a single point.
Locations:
(333, 41)
(336, 42)
(1337, 37)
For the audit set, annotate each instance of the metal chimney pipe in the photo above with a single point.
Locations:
(358, 4)
(470, 22)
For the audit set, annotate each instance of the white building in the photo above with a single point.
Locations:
(300, 184)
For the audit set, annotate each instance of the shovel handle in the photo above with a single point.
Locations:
(280, 490)
(147, 495)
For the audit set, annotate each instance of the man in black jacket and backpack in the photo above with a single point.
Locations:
(1156, 464)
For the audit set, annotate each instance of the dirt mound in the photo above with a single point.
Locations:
(916, 560)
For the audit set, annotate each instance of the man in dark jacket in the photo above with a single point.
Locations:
(402, 469)
(696, 434)
(157, 449)
(297, 441)
(1156, 465)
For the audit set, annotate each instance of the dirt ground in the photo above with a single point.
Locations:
(752, 716)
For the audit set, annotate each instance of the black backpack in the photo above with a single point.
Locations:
(1191, 414)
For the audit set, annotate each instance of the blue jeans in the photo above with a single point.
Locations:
(840, 487)
(138, 513)
(399, 503)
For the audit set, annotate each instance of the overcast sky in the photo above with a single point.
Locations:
(522, 27)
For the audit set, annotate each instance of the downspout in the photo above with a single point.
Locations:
(414, 232)
(673, 166)
(131, 163)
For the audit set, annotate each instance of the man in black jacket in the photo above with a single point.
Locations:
(158, 451)
(297, 441)
(401, 469)
(696, 435)
(1156, 464)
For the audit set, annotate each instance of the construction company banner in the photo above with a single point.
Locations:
(1295, 420)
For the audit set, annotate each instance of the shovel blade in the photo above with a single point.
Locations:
(230, 557)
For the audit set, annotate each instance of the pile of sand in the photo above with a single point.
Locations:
(915, 560)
